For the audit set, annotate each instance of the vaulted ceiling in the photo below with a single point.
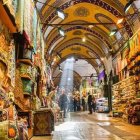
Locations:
(79, 14)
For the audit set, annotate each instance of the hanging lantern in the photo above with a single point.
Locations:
(27, 53)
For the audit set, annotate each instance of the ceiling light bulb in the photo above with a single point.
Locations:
(84, 39)
(113, 32)
(54, 59)
(102, 59)
(61, 32)
(120, 20)
(60, 14)
(128, 5)
(90, 26)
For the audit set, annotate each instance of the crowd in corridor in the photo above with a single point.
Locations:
(73, 102)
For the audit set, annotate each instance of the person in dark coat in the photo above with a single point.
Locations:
(75, 103)
(94, 104)
(63, 102)
(83, 103)
(78, 104)
(90, 103)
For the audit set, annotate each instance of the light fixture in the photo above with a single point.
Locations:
(60, 69)
(102, 59)
(61, 31)
(60, 13)
(58, 55)
(119, 21)
(54, 60)
(84, 39)
(90, 26)
(113, 32)
(128, 5)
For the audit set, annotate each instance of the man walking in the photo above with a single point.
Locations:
(63, 102)
(90, 103)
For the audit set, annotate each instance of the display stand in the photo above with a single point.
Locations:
(43, 122)
(126, 103)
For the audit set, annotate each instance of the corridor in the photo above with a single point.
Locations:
(98, 126)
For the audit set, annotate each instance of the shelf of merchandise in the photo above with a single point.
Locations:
(123, 92)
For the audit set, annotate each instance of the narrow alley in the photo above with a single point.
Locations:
(98, 126)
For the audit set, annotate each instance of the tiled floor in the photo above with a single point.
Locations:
(81, 126)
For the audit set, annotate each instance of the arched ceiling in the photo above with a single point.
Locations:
(79, 13)
(77, 79)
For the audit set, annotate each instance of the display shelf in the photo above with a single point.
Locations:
(124, 92)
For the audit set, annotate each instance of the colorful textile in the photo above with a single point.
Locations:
(19, 15)
(11, 63)
(34, 28)
(27, 17)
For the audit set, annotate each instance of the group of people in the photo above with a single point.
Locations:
(70, 103)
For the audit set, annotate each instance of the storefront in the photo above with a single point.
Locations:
(23, 84)
(126, 93)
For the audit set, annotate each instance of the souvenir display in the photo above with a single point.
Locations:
(43, 122)
(122, 92)
(22, 72)
(11, 63)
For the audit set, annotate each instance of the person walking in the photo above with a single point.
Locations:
(90, 103)
(75, 103)
(94, 104)
(63, 102)
(83, 103)
(78, 104)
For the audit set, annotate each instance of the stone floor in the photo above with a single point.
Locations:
(82, 126)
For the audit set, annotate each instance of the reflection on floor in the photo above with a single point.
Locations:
(82, 126)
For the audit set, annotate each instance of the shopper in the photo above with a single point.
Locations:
(90, 103)
(75, 103)
(83, 103)
(78, 104)
(94, 104)
(63, 102)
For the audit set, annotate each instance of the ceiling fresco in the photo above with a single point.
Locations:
(81, 21)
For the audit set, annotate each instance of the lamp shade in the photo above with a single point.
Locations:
(60, 13)
(61, 31)
(128, 5)
(27, 53)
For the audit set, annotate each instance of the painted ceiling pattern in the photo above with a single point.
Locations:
(79, 13)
